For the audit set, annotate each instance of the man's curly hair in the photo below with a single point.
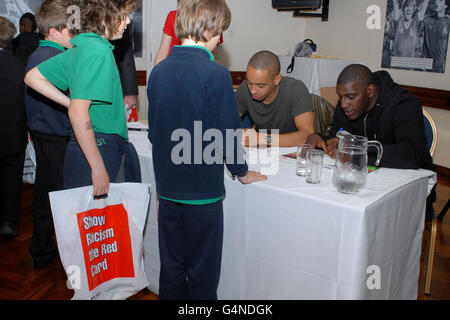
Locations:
(7, 32)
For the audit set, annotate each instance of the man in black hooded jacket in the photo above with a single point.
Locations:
(374, 106)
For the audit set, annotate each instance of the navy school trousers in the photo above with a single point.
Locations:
(190, 248)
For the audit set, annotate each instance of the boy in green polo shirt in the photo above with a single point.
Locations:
(96, 112)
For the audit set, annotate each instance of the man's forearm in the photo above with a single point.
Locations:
(292, 139)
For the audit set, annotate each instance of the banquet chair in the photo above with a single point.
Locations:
(430, 131)
(444, 211)
(323, 115)
(432, 136)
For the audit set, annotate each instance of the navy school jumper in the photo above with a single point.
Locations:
(187, 89)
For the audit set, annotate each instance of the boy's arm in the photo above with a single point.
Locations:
(35, 80)
(84, 132)
(229, 119)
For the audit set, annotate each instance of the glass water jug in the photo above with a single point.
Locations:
(350, 171)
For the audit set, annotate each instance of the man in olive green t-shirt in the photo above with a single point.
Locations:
(273, 103)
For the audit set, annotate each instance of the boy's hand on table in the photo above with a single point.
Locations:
(252, 176)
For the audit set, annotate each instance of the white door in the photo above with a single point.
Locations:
(154, 16)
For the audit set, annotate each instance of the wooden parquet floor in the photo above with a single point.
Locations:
(20, 281)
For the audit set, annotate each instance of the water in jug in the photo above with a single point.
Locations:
(350, 171)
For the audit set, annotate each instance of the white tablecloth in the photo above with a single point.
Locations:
(286, 239)
(315, 73)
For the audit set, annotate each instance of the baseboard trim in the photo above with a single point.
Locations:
(142, 78)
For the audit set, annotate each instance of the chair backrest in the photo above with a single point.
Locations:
(430, 131)
(323, 115)
(329, 93)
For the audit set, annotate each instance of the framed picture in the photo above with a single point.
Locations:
(416, 35)
(134, 32)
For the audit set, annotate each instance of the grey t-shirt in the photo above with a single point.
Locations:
(292, 100)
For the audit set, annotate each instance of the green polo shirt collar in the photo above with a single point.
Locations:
(47, 43)
(211, 56)
(83, 36)
(194, 202)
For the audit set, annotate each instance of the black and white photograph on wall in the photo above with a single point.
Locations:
(416, 35)
(135, 32)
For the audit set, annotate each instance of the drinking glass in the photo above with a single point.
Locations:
(314, 164)
(302, 150)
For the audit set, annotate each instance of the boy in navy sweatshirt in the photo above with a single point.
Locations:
(50, 128)
(192, 103)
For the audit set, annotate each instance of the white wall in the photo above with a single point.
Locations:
(154, 16)
(256, 26)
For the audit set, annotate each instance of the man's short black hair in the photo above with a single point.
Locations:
(266, 60)
(356, 73)
(29, 20)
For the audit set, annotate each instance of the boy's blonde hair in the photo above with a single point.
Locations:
(53, 14)
(7, 32)
(195, 17)
(104, 17)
